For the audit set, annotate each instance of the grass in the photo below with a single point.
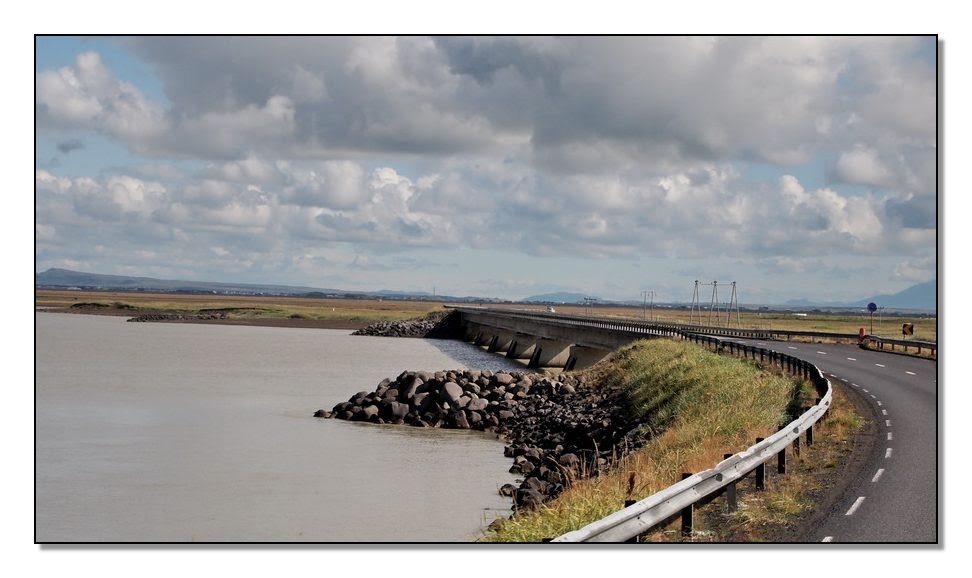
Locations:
(766, 516)
(361, 311)
(697, 405)
(888, 326)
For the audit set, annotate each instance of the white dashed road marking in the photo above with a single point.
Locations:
(877, 476)
(887, 423)
(853, 508)
(887, 453)
(884, 412)
(890, 436)
(828, 539)
(790, 347)
(878, 364)
(910, 372)
(822, 352)
(879, 404)
(851, 359)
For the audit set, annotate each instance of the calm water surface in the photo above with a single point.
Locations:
(180, 432)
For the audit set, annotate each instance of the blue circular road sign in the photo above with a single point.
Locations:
(872, 307)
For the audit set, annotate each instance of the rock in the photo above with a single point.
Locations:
(322, 413)
(451, 392)
(508, 490)
(569, 460)
(528, 499)
(477, 404)
(504, 378)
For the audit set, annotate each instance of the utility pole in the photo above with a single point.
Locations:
(696, 305)
(645, 294)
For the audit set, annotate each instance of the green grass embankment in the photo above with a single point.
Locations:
(697, 406)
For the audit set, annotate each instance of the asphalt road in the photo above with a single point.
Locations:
(895, 498)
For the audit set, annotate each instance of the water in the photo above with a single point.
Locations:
(156, 432)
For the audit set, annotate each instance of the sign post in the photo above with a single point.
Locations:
(872, 307)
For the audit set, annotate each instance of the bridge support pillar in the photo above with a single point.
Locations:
(501, 341)
(580, 357)
(550, 353)
(522, 347)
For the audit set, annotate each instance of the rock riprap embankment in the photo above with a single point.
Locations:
(558, 428)
(442, 326)
(154, 317)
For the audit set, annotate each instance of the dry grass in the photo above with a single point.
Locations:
(248, 307)
(884, 325)
(698, 405)
(770, 515)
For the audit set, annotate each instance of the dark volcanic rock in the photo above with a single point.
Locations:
(437, 326)
(559, 428)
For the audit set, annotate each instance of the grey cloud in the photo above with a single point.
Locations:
(70, 145)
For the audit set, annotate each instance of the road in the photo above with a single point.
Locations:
(895, 498)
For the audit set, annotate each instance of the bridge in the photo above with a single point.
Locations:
(545, 340)
(574, 342)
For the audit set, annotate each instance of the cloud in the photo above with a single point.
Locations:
(616, 148)
(70, 145)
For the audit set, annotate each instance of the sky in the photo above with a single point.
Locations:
(798, 167)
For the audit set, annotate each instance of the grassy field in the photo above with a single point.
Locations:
(360, 312)
(244, 307)
(926, 327)
(698, 405)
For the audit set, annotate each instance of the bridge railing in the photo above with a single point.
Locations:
(650, 327)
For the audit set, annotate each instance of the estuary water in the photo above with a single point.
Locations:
(153, 432)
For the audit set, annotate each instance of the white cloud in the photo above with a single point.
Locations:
(863, 166)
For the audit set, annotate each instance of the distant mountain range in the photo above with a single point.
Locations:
(64, 278)
(918, 297)
(561, 297)
(923, 296)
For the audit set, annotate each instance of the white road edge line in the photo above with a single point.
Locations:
(890, 436)
(884, 412)
(877, 476)
(887, 423)
(873, 396)
(887, 453)
(853, 508)
(855, 385)
(879, 404)
(828, 539)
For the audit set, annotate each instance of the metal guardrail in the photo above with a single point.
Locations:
(905, 344)
(644, 515)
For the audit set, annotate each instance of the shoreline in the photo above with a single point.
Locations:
(254, 322)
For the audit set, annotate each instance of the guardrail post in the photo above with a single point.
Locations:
(760, 473)
(687, 512)
(628, 503)
(809, 429)
(781, 458)
(796, 446)
(730, 491)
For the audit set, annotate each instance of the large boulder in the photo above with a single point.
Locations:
(450, 393)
